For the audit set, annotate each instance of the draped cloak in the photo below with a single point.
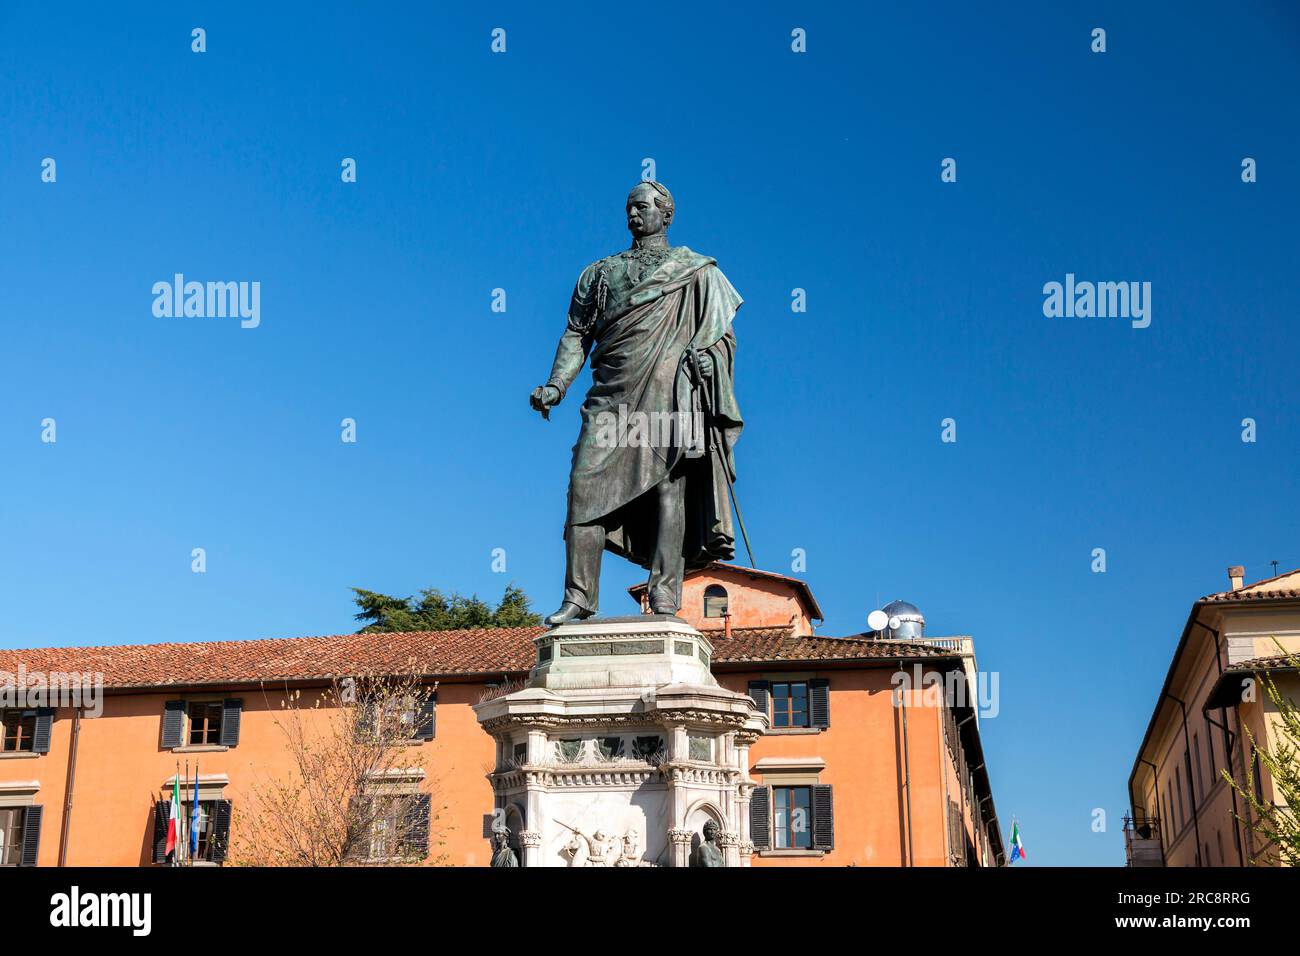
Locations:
(636, 344)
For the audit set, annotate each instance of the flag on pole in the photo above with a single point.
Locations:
(174, 817)
(196, 815)
(1017, 847)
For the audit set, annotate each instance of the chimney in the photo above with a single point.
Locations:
(726, 624)
(1237, 575)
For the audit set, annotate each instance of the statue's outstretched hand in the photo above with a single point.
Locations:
(543, 398)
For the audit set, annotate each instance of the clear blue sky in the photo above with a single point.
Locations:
(818, 171)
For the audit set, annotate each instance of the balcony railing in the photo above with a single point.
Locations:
(1142, 845)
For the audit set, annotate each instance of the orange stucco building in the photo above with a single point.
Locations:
(899, 776)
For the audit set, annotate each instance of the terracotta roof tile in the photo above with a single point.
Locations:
(482, 651)
(1263, 663)
(1282, 587)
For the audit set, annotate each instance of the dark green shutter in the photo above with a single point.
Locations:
(760, 693)
(416, 838)
(760, 814)
(161, 809)
(823, 818)
(31, 835)
(220, 841)
(173, 723)
(41, 736)
(427, 719)
(819, 702)
(231, 710)
(360, 828)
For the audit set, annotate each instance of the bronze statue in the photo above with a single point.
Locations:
(503, 855)
(650, 476)
(708, 852)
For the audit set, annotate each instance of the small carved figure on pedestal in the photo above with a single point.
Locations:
(708, 852)
(502, 854)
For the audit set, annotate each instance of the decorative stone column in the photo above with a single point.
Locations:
(681, 846)
(530, 842)
(729, 843)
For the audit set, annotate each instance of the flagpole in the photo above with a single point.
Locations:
(187, 815)
(176, 790)
(198, 819)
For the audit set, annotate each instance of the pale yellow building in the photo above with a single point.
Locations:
(1183, 812)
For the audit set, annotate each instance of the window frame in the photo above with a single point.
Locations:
(24, 714)
(788, 711)
(726, 602)
(13, 837)
(208, 703)
(790, 790)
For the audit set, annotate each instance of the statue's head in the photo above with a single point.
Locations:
(500, 836)
(599, 836)
(650, 209)
(710, 831)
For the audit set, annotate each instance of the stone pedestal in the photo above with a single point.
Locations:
(621, 747)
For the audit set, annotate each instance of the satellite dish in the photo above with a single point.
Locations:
(877, 620)
(895, 623)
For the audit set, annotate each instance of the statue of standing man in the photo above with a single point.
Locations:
(650, 469)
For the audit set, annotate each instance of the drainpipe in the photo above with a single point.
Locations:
(907, 773)
(67, 787)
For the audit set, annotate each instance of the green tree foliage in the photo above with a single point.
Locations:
(431, 610)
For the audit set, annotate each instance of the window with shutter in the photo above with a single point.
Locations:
(18, 731)
(426, 722)
(31, 835)
(219, 835)
(789, 704)
(41, 733)
(760, 810)
(415, 841)
(205, 721)
(160, 811)
(823, 818)
(13, 829)
(173, 723)
(819, 702)
(231, 711)
(792, 818)
(759, 693)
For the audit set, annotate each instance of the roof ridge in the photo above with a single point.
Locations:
(1253, 584)
(155, 645)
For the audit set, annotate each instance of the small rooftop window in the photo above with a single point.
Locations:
(715, 601)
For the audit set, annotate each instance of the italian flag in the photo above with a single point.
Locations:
(1017, 848)
(174, 819)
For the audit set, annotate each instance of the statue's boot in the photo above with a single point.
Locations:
(568, 612)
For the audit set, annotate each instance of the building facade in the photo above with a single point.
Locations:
(861, 766)
(1183, 811)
